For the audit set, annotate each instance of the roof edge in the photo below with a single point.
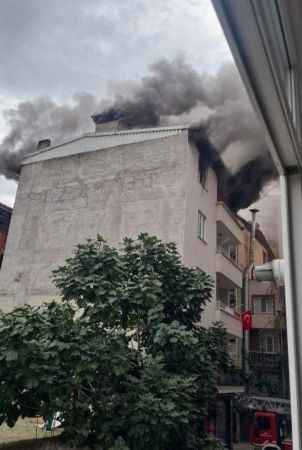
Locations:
(107, 133)
(2, 205)
(232, 215)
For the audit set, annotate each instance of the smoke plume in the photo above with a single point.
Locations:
(229, 137)
(42, 118)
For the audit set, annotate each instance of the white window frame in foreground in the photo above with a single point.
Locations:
(201, 226)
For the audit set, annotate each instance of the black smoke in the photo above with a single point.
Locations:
(229, 137)
(241, 188)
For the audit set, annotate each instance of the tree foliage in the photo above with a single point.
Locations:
(123, 357)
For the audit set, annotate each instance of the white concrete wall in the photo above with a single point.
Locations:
(115, 192)
(203, 254)
(196, 252)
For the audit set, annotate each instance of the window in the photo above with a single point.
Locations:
(201, 226)
(233, 252)
(269, 343)
(232, 298)
(263, 304)
(229, 299)
(227, 243)
(204, 177)
(264, 257)
(234, 350)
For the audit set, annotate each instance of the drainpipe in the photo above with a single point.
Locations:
(246, 277)
(252, 238)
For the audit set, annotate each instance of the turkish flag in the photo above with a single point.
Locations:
(247, 321)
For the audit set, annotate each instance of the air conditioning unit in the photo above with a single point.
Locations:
(272, 271)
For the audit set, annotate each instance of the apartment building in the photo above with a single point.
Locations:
(5, 216)
(120, 183)
(229, 272)
(268, 342)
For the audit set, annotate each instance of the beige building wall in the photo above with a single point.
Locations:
(151, 186)
(197, 252)
(115, 192)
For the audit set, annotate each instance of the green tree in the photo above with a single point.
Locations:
(123, 357)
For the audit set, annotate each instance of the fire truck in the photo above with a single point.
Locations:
(271, 427)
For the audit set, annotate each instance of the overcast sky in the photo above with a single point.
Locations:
(59, 48)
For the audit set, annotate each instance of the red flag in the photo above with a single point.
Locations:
(246, 319)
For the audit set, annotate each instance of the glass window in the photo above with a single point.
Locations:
(201, 226)
(269, 343)
(263, 304)
(232, 298)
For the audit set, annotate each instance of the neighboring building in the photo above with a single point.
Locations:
(5, 216)
(268, 342)
(229, 278)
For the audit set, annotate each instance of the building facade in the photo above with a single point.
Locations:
(5, 217)
(267, 341)
(117, 184)
(121, 183)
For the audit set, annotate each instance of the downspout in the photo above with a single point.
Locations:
(246, 277)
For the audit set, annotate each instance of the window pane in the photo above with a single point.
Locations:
(270, 307)
(263, 305)
(201, 225)
(257, 305)
(269, 346)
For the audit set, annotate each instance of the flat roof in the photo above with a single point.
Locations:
(89, 142)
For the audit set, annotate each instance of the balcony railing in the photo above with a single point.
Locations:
(226, 254)
(264, 360)
(234, 377)
(231, 311)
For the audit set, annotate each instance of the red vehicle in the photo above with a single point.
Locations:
(271, 428)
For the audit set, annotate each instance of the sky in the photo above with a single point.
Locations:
(58, 49)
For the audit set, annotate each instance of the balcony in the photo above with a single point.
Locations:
(228, 305)
(227, 255)
(230, 319)
(225, 216)
(231, 382)
(264, 361)
(234, 377)
(265, 321)
(228, 267)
